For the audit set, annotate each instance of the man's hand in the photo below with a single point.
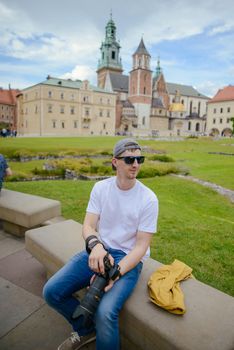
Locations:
(96, 259)
(110, 284)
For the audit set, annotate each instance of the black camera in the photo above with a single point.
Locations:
(88, 305)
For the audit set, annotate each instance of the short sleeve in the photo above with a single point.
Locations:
(94, 205)
(149, 217)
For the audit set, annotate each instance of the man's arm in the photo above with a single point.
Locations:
(8, 172)
(134, 257)
(97, 254)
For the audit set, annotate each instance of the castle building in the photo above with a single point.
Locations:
(221, 112)
(8, 109)
(146, 104)
(60, 107)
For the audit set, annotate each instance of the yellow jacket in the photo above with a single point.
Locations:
(164, 286)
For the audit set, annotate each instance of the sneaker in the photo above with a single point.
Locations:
(75, 342)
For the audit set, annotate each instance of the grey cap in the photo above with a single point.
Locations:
(124, 145)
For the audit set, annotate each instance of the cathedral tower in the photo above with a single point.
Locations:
(140, 85)
(110, 60)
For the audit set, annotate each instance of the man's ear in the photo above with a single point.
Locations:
(113, 162)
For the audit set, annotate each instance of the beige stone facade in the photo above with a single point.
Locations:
(59, 107)
(219, 118)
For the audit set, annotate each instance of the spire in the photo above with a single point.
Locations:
(158, 69)
(141, 49)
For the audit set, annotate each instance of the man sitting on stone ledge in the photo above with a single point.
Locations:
(4, 170)
(120, 219)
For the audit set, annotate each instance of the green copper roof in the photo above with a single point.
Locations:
(158, 70)
(110, 48)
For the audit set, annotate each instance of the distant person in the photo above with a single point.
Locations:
(5, 170)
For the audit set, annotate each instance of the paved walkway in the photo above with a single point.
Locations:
(26, 322)
(221, 190)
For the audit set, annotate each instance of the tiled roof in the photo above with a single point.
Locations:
(157, 103)
(68, 83)
(225, 94)
(141, 49)
(8, 97)
(127, 104)
(119, 82)
(185, 90)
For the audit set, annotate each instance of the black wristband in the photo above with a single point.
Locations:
(90, 246)
(88, 239)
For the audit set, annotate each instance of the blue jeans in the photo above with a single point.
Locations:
(75, 275)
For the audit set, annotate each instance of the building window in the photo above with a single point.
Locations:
(87, 112)
(144, 90)
(214, 120)
(221, 120)
(86, 98)
(191, 107)
(72, 110)
(228, 109)
(199, 108)
(35, 109)
(50, 109)
(108, 114)
(62, 96)
(221, 110)
(49, 94)
(182, 101)
(108, 101)
(101, 100)
(197, 127)
(113, 55)
(100, 113)
(160, 111)
(104, 126)
(63, 125)
(214, 110)
(62, 109)
(75, 124)
(54, 124)
(189, 125)
(143, 121)
(228, 120)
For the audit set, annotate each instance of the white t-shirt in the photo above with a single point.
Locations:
(123, 213)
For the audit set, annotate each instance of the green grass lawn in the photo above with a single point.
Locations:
(191, 154)
(196, 224)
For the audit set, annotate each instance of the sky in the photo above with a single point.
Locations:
(194, 39)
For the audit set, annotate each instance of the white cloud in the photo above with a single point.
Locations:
(53, 37)
(82, 73)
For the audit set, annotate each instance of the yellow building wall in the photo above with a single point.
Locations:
(60, 111)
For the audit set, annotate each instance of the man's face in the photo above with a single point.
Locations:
(128, 171)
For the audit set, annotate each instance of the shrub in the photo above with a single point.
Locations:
(162, 158)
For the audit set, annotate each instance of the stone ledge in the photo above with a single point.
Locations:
(207, 324)
(21, 211)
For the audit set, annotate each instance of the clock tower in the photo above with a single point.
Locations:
(110, 60)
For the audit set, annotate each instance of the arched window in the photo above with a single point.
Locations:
(189, 125)
(197, 127)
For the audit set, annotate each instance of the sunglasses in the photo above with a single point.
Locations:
(131, 159)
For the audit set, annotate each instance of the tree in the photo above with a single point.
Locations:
(232, 119)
